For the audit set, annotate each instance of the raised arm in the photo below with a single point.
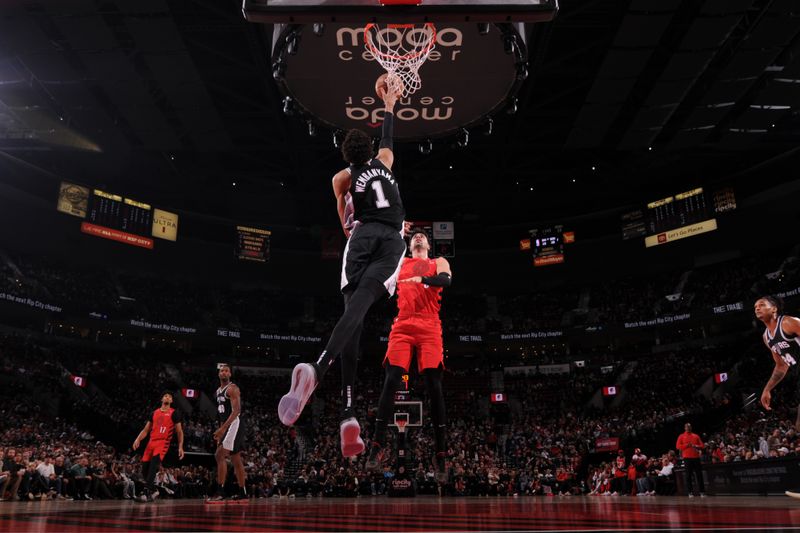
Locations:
(386, 153)
(341, 186)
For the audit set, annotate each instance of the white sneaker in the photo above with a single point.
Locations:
(691, 495)
(304, 381)
(350, 435)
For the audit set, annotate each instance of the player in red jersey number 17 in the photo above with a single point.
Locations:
(417, 326)
(164, 422)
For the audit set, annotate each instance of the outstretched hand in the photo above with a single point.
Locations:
(394, 88)
(766, 399)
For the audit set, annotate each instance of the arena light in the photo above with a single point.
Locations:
(337, 138)
(292, 42)
(288, 108)
(425, 148)
(512, 106)
(279, 70)
(463, 138)
(510, 45)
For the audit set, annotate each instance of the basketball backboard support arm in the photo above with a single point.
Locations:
(364, 11)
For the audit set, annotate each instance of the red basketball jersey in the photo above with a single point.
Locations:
(163, 425)
(418, 298)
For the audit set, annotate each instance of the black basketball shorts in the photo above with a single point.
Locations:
(374, 251)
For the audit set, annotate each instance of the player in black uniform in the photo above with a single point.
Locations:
(372, 258)
(229, 437)
(782, 337)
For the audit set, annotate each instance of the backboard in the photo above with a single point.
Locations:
(364, 11)
(407, 410)
(328, 77)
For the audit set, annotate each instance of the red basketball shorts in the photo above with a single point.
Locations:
(155, 447)
(422, 333)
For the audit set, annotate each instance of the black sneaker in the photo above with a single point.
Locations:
(375, 459)
(240, 498)
(216, 499)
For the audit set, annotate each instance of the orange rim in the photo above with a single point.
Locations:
(412, 55)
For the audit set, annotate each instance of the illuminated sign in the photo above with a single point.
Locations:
(681, 233)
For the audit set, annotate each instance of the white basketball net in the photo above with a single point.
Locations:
(401, 49)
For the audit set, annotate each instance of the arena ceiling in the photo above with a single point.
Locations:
(173, 101)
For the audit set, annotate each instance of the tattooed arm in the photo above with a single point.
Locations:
(777, 375)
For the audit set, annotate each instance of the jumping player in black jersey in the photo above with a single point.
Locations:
(782, 337)
(372, 258)
(229, 437)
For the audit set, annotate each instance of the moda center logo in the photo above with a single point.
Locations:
(331, 77)
(367, 108)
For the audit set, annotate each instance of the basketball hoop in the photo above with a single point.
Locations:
(401, 425)
(401, 49)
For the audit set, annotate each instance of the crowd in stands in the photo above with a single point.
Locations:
(200, 304)
(538, 443)
(62, 440)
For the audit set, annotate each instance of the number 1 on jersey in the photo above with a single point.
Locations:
(382, 201)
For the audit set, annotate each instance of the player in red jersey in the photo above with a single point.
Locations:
(419, 292)
(165, 421)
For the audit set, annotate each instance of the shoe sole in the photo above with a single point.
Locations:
(293, 402)
(791, 494)
(215, 502)
(352, 444)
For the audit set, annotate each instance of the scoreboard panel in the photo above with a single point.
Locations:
(252, 244)
(111, 216)
(548, 246)
(684, 214)
(677, 211)
(115, 212)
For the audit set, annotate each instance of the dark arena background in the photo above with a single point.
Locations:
(614, 184)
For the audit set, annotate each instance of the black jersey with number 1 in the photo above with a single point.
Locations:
(376, 196)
